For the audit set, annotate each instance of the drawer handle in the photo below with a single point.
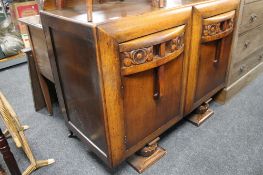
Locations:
(158, 82)
(242, 68)
(260, 57)
(253, 17)
(247, 43)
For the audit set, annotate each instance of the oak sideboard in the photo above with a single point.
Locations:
(135, 70)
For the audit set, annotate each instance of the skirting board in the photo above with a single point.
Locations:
(12, 61)
(228, 92)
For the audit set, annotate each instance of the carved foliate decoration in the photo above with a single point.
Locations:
(176, 43)
(138, 56)
(212, 29)
(230, 24)
(146, 54)
(217, 28)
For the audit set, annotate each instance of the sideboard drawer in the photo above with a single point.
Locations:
(151, 51)
(248, 43)
(241, 68)
(252, 16)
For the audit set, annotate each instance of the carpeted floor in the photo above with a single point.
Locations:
(229, 143)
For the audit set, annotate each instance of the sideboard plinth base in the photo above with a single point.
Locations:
(141, 160)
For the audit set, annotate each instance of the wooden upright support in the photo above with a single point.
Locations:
(8, 156)
(89, 4)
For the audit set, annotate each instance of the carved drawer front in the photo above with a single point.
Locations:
(248, 43)
(242, 67)
(152, 70)
(252, 16)
(214, 54)
(151, 51)
(218, 27)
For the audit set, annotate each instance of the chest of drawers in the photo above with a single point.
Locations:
(247, 49)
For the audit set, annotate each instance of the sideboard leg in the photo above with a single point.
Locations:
(71, 135)
(147, 156)
(202, 113)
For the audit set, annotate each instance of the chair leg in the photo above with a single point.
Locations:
(37, 165)
(7, 133)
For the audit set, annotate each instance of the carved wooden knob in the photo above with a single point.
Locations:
(253, 17)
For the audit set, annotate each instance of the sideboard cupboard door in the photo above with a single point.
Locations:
(210, 50)
(143, 68)
(152, 79)
(152, 82)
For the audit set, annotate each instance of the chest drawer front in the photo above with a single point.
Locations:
(248, 43)
(242, 67)
(252, 16)
(249, 1)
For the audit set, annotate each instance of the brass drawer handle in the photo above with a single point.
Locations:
(253, 17)
(247, 43)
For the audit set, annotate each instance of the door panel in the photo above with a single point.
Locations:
(143, 112)
(211, 41)
(152, 79)
(213, 63)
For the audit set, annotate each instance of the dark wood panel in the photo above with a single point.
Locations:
(37, 94)
(41, 53)
(78, 73)
(213, 63)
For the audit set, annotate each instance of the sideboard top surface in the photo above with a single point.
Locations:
(114, 10)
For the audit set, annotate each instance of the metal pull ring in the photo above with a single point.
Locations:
(253, 17)
(247, 43)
